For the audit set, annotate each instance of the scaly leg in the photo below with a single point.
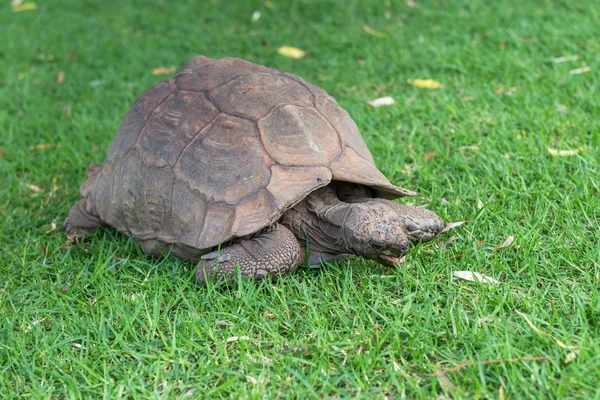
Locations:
(273, 252)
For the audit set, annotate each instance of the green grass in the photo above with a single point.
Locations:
(102, 320)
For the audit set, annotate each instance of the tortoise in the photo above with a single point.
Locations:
(235, 165)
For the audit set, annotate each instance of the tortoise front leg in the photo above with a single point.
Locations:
(273, 252)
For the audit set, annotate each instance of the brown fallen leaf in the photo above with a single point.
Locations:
(503, 45)
(425, 83)
(71, 56)
(452, 225)
(252, 379)
(543, 333)
(45, 250)
(373, 32)
(291, 52)
(382, 101)
(505, 244)
(429, 156)
(473, 147)
(565, 153)
(163, 70)
(1, 153)
(43, 146)
(60, 78)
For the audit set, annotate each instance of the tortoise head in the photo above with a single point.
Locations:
(375, 230)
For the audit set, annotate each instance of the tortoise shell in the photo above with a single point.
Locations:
(222, 149)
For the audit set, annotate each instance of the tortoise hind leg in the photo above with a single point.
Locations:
(273, 252)
(82, 218)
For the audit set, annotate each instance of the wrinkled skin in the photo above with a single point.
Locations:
(331, 228)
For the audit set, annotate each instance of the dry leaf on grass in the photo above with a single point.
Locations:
(52, 227)
(543, 333)
(429, 156)
(452, 225)
(411, 4)
(570, 357)
(255, 16)
(34, 323)
(18, 6)
(578, 71)
(1, 153)
(60, 78)
(485, 362)
(474, 148)
(252, 379)
(382, 101)
(505, 244)
(565, 58)
(450, 241)
(34, 188)
(475, 277)
(446, 383)
(291, 52)
(163, 70)
(41, 146)
(425, 83)
(505, 90)
(236, 338)
(45, 250)
(373, 32)
(564, 153)
(269, 4)
(189, 392)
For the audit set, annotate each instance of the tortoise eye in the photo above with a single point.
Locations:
(376, 245)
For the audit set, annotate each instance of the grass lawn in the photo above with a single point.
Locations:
(101, 319)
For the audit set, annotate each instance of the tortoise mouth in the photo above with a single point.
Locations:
(388, 260)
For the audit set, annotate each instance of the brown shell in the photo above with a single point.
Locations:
(222, 149)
